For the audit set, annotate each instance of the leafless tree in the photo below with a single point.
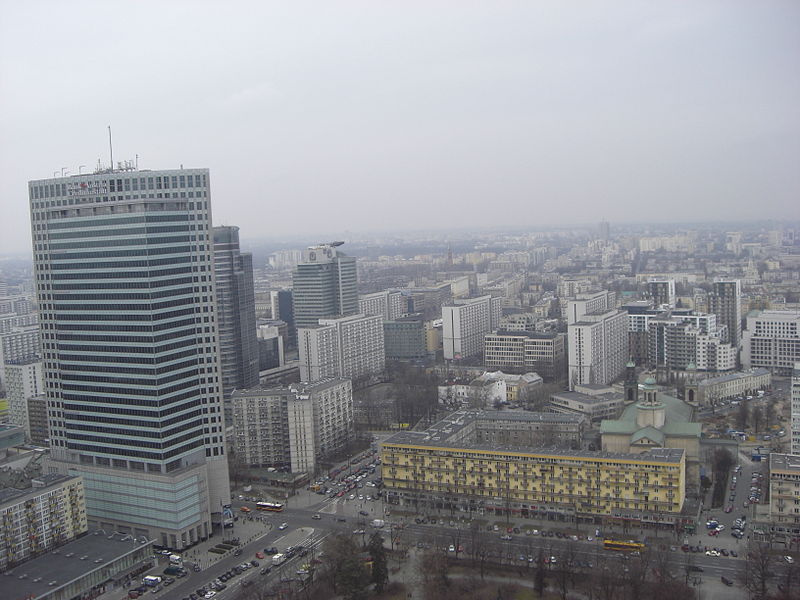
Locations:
(606, 579)
(637, 574)
(758, 571)
(788, 582)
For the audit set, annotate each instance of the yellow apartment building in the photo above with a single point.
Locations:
(445, 468)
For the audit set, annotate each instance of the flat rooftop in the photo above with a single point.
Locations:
(784, 462)
(587, 398)
(66, 563)
(442, 432)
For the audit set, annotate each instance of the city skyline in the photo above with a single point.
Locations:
(629, 112)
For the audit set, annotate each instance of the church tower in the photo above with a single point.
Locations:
(631, 383)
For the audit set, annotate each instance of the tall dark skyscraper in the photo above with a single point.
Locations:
(283, 308)
(725, 301)
(325, 285)
(123, 264)
(236, 312)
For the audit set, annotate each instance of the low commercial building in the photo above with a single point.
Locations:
(489, 389)
(38, 519)
(447, 468)
(731, 385)
(84, 568)
(784, 497)
(594, 407)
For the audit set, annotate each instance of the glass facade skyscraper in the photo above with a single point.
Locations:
(324, 285)
(123, 263)
(236, 311)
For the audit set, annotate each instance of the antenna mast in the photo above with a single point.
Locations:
(110, 148)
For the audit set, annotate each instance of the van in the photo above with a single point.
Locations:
(151, 580)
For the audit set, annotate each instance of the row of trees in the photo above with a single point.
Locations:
(757, 418)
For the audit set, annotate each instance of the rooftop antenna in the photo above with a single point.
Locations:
(110, 148)
(137, 162)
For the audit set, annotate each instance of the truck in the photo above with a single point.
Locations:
(175, 559)
(151, 580)
(378, 523)
(278, 559)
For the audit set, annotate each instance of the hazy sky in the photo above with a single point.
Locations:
(329, 116)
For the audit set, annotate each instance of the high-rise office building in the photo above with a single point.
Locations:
(236, 314)
(725, 302)
(123, 265)
(325, 285)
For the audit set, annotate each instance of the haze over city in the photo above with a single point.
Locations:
(381, 301)
(357, 116)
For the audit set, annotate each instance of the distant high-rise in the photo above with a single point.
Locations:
(597, 339)
(795, 409)
(344, 347)
(282, 307)
(236, 312)
(604, 230)
(465, 324)
(123, 265)
(23, 380)
(725, 302)
(662, 292)
(325, 285)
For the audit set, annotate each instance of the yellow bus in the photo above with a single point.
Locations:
(629, 546)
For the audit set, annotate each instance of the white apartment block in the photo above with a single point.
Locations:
(13, 321)
(292, 426)
(795, 412)
(772, 340)
(37, 520)
(300, 421)
(466, 322)
(23, 380)
(389, 304)
(590, 303)
(544, 353)
(597, 347)
(784, 496)
(350, 346)
(20, 343)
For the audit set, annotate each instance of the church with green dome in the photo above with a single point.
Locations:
(655, 420)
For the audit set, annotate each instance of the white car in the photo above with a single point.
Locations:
(210, 594)
(788, 559)
(283, 526)
(452, 548)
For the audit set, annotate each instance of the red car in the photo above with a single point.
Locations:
(729, 508)
(260, 555)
